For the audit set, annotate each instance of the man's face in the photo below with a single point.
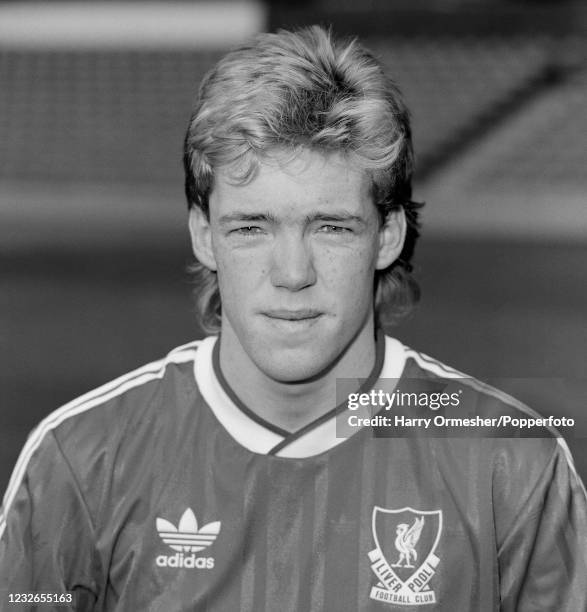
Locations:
(295, 250)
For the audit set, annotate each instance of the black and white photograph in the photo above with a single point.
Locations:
(293, 305)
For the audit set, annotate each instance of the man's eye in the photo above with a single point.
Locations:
(249, 230)
(334, 229)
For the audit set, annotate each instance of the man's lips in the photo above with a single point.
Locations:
(292, 315)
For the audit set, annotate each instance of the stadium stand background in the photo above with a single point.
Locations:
(94, 100)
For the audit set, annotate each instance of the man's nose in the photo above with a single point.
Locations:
(292, 265)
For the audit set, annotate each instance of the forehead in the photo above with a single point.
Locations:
(308, 182)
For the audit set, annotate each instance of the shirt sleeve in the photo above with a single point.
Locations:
(46, 531)
(543, 556)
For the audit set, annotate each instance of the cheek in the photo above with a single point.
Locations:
(348, 267)
(239, 273)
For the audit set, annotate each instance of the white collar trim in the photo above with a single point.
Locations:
(242, 428)
(258, 439)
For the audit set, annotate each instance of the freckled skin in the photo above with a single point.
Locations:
(301, 237)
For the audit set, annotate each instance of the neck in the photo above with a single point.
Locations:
(289, 405)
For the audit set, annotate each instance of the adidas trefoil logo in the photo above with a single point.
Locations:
(187, 538)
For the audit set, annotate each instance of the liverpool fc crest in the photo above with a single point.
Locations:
(404, 558)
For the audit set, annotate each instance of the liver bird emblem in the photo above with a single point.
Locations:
(406, 540)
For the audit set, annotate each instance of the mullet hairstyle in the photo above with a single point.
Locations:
(295, 90)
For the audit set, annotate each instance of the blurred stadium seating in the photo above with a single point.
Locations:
(96, 115)
(94, 248)
(453, 85)
(552, 146)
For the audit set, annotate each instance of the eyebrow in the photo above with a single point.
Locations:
(247, 217)
(335, 218)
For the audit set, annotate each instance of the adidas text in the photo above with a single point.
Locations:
(187, 561)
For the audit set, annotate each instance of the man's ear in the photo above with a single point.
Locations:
(392, 235)
(201, 234)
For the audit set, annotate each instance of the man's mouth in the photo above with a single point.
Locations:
(304, 314)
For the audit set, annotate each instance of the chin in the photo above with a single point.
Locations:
(288, 375)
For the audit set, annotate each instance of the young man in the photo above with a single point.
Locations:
(255, 470)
